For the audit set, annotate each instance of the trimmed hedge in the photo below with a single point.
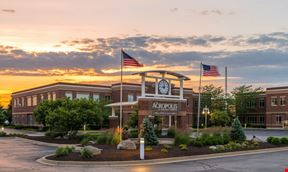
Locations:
(277, 140)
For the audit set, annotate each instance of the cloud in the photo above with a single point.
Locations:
(260, 58)
(215, 12)
(8, 10)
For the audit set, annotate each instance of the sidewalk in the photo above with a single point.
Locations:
(26, 132)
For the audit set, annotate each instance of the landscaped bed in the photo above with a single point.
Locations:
(53, 140)
(110, 153)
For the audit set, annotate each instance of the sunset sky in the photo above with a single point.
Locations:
(46, 41)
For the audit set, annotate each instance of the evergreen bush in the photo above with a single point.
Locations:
(149, 133)
(171, 132)
(182, 138)
(86, 153)
(276, 141)
(284, 140)
(269, 139)
(237, 133)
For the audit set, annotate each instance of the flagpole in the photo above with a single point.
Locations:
(226, 87)
(199, 99)
(121, 96)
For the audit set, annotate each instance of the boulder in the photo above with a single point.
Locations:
(126, 145)
(212, 148)
(94, 150)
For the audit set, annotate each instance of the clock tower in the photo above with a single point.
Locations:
(163, 100)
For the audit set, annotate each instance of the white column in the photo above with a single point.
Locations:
(170, 121)
(143, 86)
(181, 88)
(156, 86)
(113, 111)
(170, 87)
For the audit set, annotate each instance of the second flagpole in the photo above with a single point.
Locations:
(199, 99)
(121, 97)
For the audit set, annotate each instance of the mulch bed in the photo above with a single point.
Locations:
(110, 153)
(52, 140)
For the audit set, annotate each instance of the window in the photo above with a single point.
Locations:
(18, 102)
(49, 96)
(262, 119)
(69, 95)
(53, 96)
(42, 97)
(82, 95)
(278, 119)
(15, 103)
(195, 103)
(273, 101)
(282, 101)
(96, 97)
(108, 98)
(34, 100)
(262, 103)
(251, 104)
(130, 97)
(22, 100)
(29, 103)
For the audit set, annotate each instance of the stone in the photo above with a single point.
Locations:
(94, 150)
(126, 145)
(256, 139)
(91, 142)
(212, 147)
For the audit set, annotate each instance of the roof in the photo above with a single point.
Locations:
(178, 75)
(276, 88)
(123, 104)
(61, 83)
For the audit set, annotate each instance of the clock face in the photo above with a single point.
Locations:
(163, 87)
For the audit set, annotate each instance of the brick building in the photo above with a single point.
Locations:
(182, 98)
(268, 110)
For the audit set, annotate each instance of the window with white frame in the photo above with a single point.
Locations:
(22, 100)
(282, 101)
(42, 97)
(69, 95)
(82, 95)
(15, 103)
(273, 101)
(34, 100)
(130, 97)
(29, 101)
(96, 97)
(49, 96)
(54, 96)
(107, 98)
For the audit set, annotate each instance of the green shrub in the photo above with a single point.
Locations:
(269, 139)
(133, 133)
(164, 150)
(104, 138)
(116, 138)
(276, 141)
(171, 132)
(217, 139)
(237, 133)
(198, 142)
(167, 146)
(182, 138)
(158, 132)
(183, 147)
(86, 138)
(2, 134)
(148, 148)
(226, 138)
(64, 151)
(284, 140)
(86, 153)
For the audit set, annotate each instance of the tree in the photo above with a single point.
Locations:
(149, 133)
(220, 118)
(237, 133)
(243, 95)
(213, 97)
(3, 117)
(133, 120)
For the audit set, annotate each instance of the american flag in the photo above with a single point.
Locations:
(130, 61)
(210, 70)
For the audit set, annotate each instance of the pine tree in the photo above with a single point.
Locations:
(237, 133)
(149, 133)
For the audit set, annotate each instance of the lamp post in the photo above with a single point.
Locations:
(206, 112)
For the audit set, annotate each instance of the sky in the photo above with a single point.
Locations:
(79, 41)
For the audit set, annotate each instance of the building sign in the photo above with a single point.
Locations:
(163, 108)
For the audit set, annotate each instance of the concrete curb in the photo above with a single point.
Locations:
(35, 142)
(45, 161)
